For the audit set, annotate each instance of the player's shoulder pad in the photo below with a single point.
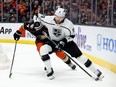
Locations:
(68, 23)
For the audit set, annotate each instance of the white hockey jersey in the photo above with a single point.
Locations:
(57, 31)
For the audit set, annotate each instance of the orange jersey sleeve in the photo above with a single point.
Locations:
(21, 29)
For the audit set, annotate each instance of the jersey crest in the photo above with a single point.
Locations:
(57, 32)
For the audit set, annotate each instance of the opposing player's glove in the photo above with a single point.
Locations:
(60, 46)
(17, 35)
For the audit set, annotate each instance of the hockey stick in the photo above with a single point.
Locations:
(13, 59)
(71, 58)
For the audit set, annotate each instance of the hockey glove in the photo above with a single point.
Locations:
(17, 35)
(60, 46)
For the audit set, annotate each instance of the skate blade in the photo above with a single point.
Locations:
(99, 78)
(51, 77)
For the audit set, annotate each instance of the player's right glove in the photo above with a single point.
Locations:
(17, 35)
(60, 46)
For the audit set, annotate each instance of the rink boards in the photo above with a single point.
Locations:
(98, 43)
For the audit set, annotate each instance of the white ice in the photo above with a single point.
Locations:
(28, 71)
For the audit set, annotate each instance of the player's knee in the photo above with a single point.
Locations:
(88, 63)
(45, 57)
(60, 54)
(45, 49)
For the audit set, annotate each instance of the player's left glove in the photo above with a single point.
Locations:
(17, 35)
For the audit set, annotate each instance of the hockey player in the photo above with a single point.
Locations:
(36, 28)
(61, 31)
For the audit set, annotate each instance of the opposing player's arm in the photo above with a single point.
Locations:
(39, 17)
(23, 27)
(18, 33)
(45, 20)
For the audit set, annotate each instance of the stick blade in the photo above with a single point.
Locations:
(10, 75)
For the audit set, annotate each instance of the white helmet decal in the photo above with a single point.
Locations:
(60, 12)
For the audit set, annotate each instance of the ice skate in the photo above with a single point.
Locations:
(51, 77)
(50, 73)
(73, 67)
(99, 75)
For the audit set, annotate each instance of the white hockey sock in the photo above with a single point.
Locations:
(83, 59)
(92, 68)
(47, 64)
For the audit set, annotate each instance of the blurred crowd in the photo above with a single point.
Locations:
(85, 12)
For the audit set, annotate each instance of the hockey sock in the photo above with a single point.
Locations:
(47, 62)
(67, 60)
(84, 60)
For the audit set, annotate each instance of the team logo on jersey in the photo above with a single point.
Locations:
(57, 32)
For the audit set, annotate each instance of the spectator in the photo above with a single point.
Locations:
(78, 11)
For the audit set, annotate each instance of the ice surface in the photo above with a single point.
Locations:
(28, 71)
